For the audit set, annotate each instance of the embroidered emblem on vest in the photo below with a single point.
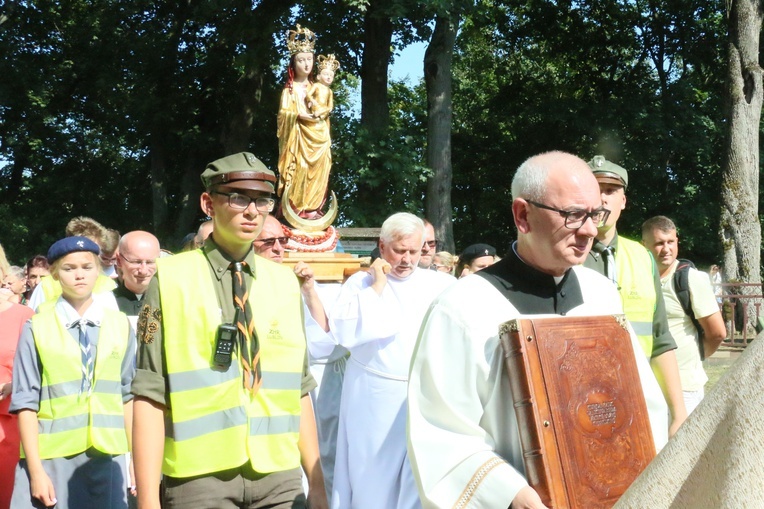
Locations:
(273, 331)
(148, 323)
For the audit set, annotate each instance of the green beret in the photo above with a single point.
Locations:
(608, 172)
(242, 170)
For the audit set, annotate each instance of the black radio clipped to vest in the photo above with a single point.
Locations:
(225, 342)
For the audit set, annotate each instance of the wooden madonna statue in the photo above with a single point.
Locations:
(305, 157)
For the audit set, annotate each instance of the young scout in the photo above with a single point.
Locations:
(222, 386)
(71, 389)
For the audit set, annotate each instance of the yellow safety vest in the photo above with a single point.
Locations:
(51, 288)
(71, 422)
(214, 423)
(634, 266)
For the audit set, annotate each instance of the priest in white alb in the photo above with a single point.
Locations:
(377, 317)
(464, 446)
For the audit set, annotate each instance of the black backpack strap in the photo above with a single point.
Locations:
(682, 289)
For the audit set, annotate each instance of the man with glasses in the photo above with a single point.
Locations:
(429, 247)
(136, 262)
(202, 233)
(222, 406)
(464, 440)
(271, 241)
(632, 270)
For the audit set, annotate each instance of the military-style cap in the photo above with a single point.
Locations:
(242, 170)
(476, 251)
(607, 172)
(67, 245)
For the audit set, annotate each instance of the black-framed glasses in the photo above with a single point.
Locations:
(137, 263)
(272, 241)
(577, 217)
(429, 244)
(241, 201)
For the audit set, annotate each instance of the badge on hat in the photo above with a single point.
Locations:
(67, 245)
(242, 170)
(608, 172)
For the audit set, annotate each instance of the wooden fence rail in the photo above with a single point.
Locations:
(735, 309)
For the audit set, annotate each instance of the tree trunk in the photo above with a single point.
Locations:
(237, 130)
(378, 35)
(437, 78)
(375, 111)
(189, 199)
(158, 189)
(740, 227)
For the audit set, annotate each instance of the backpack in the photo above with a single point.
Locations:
(682, 289)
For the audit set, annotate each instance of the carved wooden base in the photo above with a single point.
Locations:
(327, 267)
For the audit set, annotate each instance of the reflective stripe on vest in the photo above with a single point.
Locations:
(215, 424)
(69, 422)
(637, 287)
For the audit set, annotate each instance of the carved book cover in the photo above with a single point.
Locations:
(581, 414)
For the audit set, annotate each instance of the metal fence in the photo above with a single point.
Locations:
(735, 306)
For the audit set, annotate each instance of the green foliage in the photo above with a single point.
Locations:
(393, 167)
(641, 87)
(101, 102)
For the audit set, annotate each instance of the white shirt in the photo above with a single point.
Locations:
(463, 435)
(322, 347)
(691, 372)
(380, 330)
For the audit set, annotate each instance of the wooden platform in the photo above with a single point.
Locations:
(327, 267)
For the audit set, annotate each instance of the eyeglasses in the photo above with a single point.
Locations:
(241, 201)
(137, 263)
(272, 241)
(430, 244)
(576, 218)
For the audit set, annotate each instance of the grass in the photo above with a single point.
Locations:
(714, 373)
(718, 364)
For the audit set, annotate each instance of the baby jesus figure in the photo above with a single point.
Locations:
(320, 97)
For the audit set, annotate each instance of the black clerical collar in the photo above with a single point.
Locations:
(122, 291)
(531, 291)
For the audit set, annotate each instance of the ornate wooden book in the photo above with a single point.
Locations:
(581, 414)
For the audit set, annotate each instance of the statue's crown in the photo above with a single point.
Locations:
(328, 62)
(301, 40)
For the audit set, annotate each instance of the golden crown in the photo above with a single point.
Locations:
(328, 62)
(301, 40)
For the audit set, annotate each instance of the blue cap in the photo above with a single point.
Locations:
(67, 245)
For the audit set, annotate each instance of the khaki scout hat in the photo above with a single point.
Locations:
(242, 170)
(607, 172)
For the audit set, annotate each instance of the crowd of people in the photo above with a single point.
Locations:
(220, 377)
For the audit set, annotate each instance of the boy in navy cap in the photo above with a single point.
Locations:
(71, 389)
